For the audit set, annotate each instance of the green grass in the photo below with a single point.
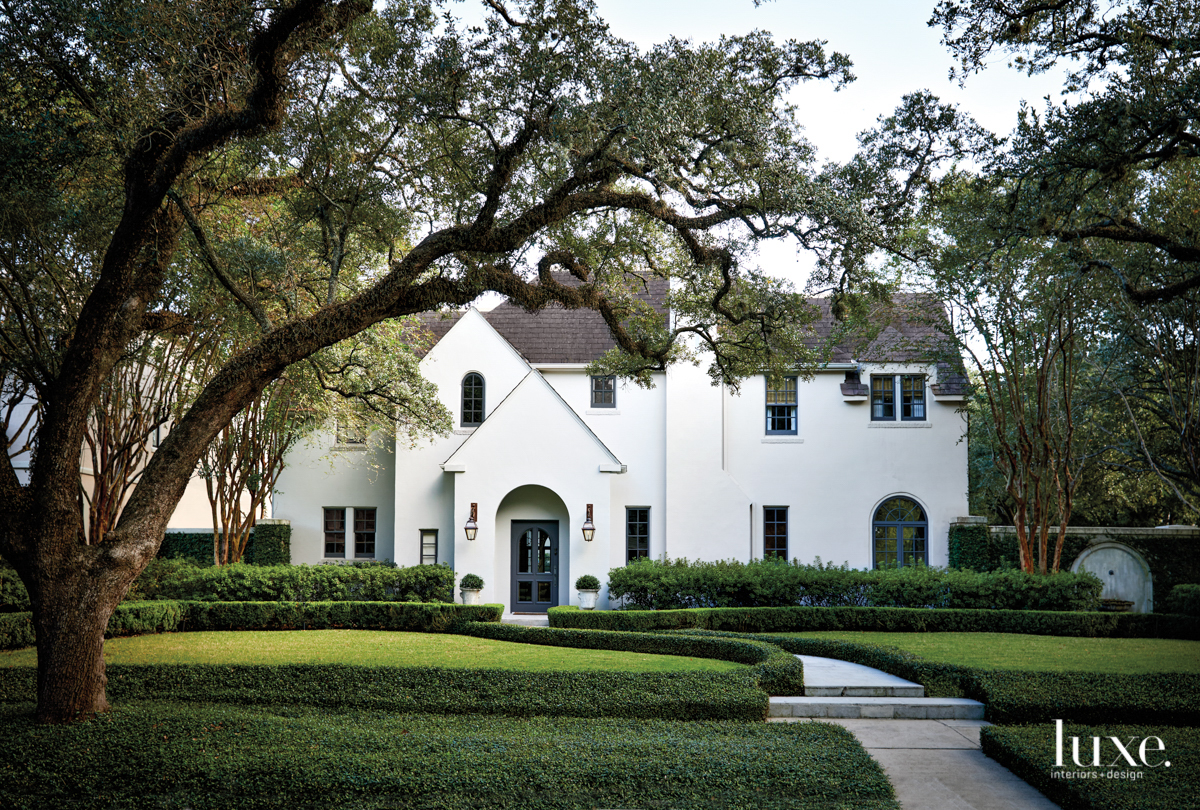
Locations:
(1035, 653)
(207, 756)
(374, 648)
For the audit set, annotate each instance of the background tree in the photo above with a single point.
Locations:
(534, 142)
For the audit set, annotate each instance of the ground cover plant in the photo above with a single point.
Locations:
(649, 584)
(1029, 752)
(204, 756)
(374, 648)
(1037, 653)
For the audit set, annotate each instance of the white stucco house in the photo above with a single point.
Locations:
(866, 463)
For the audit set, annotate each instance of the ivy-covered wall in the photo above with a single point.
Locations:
(270, 544)
(1173, 553)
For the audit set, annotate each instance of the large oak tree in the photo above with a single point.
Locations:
(384, 164)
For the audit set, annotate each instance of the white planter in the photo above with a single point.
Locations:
(587, 599)
(470, 596)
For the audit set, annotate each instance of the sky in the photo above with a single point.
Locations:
(893, 50)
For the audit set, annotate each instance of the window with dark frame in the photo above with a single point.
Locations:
(364, 532)
(335, 532)
(604, 391)
(900, 530)
(781, 406)
(472, 400)
(775, 532)
(883, 398)
(349, 434)
(912, 397)
(429, 546)
(637, 533)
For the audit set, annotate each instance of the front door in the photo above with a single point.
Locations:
(535, 565)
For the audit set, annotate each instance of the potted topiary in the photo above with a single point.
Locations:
(589, 590)
(470, 586)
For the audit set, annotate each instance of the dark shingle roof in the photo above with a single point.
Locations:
(558, 335)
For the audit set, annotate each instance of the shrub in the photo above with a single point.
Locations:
(1184, 599)
(653, 584)
(436, 690)
(1029, 753)
(13, 596)
(587, 582)
(908, 620)
(471, 582)
(16, 631)
(310, 583)
(775, 671)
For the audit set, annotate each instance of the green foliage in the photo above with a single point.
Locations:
(310, 583)
(587, 582)
(471, 582)
(1183, 599)
(969, 547)
(775, 671)
(16, 631)
(1020, 696)
(13, 596)
(209, 757)
(657, 585)
(1029, 752)
(269, 544)
(433, 690)
(887, 620)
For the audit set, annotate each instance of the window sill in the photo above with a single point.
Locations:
(602, 412)
(340, 448)
(782, 440)
(914, 424)
(467, 431)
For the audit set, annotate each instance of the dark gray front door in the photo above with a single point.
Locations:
(535, 565)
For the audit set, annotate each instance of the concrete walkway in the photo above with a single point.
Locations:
(934, 764)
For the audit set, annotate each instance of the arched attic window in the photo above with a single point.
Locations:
(900, 530)
(472, 400)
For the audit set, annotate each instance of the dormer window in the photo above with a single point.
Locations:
(472, 400)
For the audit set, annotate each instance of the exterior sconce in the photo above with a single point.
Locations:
(589, 530)
(471, 528)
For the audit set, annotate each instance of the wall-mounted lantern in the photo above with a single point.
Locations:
(589, 530)
(472, 527)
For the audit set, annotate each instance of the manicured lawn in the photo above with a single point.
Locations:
(1036, 653)
(157, 754)
(373, 648)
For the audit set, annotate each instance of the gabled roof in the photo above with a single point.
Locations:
(558, 335)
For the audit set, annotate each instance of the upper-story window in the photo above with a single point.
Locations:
(781, 406)
(348, 433)
(472, 400)
(912, 397)
(604, 391)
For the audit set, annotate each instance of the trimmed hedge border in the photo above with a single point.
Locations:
(1028, 751)
(896, 620)
(162, 616)
(1171, 698)
(774, 670)
(1183, 599)
(430, 690)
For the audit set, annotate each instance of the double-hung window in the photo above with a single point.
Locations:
(637, 533)
(428, 546)
(364, 533)
(335, 532)
(775, 532)
(362, 522)
(781, 406)
(604, 391)
(911, 400)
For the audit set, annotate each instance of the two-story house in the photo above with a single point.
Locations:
(551, 472)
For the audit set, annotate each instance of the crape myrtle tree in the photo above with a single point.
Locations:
(454, 161)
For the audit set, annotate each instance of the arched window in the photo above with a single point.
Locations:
(900, 532)
(472, 400)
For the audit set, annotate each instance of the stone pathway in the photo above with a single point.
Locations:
(934, 764)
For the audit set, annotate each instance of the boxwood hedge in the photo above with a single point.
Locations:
(433, 690)
(1171, 698)
(775, 671)
(241, 582)
(666, 585)
(136, 618)
(1183, 599)
(1028, 751)
(208, 757)
(911, 620)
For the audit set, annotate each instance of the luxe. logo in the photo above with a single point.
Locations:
(1122, 751)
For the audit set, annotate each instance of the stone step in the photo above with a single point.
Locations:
(896, 708)
(527, 620)
(829, 677)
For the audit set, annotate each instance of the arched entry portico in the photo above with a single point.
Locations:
(532, 551)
